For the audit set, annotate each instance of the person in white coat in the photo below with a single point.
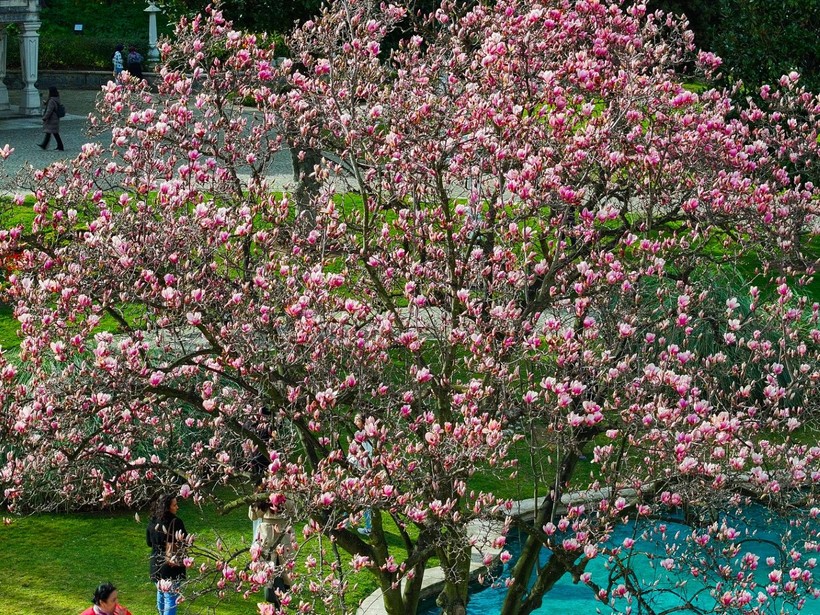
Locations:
(271, 533)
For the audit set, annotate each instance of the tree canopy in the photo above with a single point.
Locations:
(758, 41)
(527, 243)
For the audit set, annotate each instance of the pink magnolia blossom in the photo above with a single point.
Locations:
(524, 199)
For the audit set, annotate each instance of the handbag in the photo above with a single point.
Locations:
(174, 549)
(174, 553)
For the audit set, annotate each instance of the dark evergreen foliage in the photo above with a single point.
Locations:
(758, 40)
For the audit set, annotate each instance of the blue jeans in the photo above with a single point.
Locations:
(367, 522)
(167, 602)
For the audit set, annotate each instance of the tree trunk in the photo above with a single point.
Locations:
(304, 162)
(456, 566)
(521, 574)
(517, 602)
(392, 597)
(412, 588)
(547, 577)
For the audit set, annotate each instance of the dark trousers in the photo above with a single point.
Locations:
(278, 583)
(47, 138)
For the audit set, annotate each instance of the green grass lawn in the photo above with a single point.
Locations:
(53, 562)
(8, 329)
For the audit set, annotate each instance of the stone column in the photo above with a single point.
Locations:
(4, 93)
(153, 52)
(30, 57)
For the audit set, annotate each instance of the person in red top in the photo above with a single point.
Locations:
(106, 602)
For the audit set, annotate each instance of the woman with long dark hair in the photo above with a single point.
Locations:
(51, 120)
(165, 535)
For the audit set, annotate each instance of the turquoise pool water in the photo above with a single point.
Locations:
(567, 598)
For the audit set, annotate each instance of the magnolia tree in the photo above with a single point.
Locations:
(529, 251)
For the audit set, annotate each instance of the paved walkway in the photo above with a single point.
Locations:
(24, 133)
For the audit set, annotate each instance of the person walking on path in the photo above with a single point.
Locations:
(118, 61)
(106, 602)
(51, 119)
(165, 535)
(134, 62)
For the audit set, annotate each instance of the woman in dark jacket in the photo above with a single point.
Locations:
(164, 534)
(135, 62)
(51, 121)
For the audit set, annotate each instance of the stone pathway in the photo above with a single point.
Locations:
(24, 133)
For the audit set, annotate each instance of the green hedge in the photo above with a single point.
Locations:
(76, 52)
(106, 23)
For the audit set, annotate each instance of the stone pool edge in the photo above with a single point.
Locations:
(482, 531)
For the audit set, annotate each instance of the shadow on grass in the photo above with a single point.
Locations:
(8, 328)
